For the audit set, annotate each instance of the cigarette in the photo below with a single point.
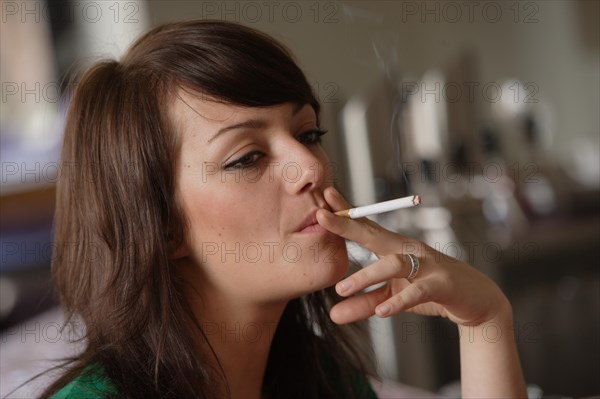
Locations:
(380, 207)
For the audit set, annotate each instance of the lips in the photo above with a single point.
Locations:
(310, 224)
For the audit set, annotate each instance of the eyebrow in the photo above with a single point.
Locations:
(252, 123)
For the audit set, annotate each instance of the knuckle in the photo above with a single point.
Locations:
(396, 262)
(411, 246)
(362, 278)
(372, 233)
(446, 274)
(396, 302)
(421, 291)
(345, 225)
(372, 228)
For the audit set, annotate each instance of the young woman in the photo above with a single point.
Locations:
(195, 237)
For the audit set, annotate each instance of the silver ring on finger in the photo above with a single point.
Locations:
(414, 264)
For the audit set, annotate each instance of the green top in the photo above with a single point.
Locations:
(94, 385)
(91, 384)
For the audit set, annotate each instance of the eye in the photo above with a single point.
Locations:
(245, 161)
(312, 136)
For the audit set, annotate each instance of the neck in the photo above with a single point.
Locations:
(241, 337)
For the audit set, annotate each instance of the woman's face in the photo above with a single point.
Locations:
(250, 181)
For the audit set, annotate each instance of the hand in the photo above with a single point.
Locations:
(444, 286)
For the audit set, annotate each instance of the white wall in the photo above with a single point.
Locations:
(545, 46)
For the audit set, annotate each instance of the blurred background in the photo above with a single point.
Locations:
(487, 109)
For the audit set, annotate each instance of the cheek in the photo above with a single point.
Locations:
(230, 223)
(224, 212)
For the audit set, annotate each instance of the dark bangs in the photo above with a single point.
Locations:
(232, 63)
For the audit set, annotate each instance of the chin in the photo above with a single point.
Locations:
(338, 272)
(327, 272)
(311, 274)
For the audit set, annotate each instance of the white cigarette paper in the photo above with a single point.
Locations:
(380, 207)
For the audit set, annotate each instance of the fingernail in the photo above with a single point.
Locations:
(384, 309)
(335, 192)
(345, 285)
(325, 213)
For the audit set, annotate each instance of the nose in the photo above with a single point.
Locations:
(303, 170)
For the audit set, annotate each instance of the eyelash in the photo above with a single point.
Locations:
(310, 137)
(315, 135)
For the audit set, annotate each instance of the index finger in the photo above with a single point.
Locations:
(362, 231)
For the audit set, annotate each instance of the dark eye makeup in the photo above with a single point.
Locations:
(311, 137)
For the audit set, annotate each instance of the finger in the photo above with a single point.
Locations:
(414, 294)
(390, 266)
(363, 231)
(359, 307)
(335, 200)
(366, 233)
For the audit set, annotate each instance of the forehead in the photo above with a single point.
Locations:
(189, 107)
(194, 111)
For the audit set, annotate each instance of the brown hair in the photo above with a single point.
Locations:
(117, 219)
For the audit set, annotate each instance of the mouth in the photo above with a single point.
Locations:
(310, 224)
